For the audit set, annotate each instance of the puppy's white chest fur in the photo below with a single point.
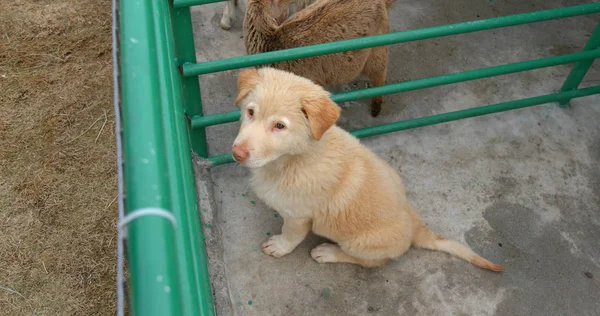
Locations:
(318, 183)
(286, 199)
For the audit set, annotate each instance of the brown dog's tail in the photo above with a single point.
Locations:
(425, 238)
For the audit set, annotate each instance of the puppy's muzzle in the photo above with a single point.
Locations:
(240, 152)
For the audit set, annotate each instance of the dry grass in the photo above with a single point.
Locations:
(57, 161)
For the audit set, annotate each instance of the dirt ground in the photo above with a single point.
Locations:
(57, 159)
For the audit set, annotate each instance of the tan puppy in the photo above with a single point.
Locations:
(319, 177)
(322, 22)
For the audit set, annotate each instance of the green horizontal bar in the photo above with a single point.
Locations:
(215, 119)
(221, 159)
(465, 76)
(189, 3)
(451, 116)
(478, 111)
(386, 39)
(203, 121)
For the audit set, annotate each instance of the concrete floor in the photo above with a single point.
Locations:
(521, 188)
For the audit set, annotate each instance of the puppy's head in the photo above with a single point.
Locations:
(281, 114)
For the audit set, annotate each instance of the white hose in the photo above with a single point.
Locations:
(116, 100)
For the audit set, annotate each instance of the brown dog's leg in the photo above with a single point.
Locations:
(330, 253)
(375, 69)
(293, 232)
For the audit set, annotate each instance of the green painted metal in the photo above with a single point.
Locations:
(450, 116)
(189, 3)
(192, 104)
(477, 111)
(201, 122)
(215, 119)
(581, 68)
(195, 290)
(221, 159)
(151, 240)
(386, 39)
(186, 53)
(162, 119)
(169, 274)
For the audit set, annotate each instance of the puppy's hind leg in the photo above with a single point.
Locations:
(330, 253)
(375, 69)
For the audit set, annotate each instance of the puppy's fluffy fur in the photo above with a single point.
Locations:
(319, 177)
(322, 22)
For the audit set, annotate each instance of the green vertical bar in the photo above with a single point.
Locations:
(581, 68)
(151, 239)
(196, 293)
(186, 53)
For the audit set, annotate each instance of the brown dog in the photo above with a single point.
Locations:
(283, 11)
(322, 22)
(319, 177)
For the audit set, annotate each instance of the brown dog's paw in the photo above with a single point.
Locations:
(225, 27)
(276, 246)
(325, 253)
(376, 106)
(226, 22)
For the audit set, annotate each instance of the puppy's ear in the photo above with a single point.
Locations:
(321, 112)
(247, 80)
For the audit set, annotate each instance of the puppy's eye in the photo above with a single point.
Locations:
(250, 112)
(279, 126)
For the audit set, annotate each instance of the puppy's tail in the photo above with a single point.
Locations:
(424, 238)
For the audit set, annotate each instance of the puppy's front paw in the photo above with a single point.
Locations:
(276, 246)
(325, 253)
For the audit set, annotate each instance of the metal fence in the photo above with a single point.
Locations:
(161, 110)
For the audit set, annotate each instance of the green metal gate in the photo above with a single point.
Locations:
(160, 120)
